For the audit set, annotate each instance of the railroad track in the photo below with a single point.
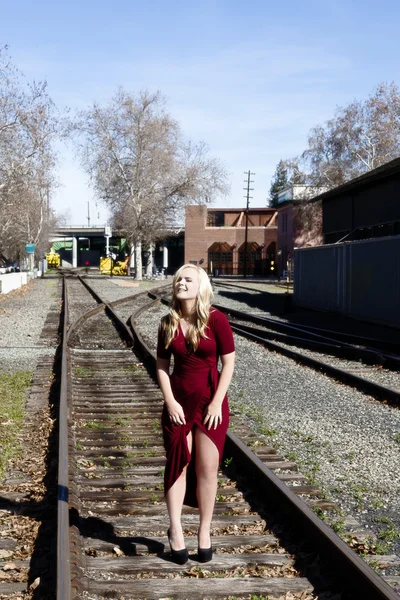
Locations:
(110, 488)
(378, 351)
(379, 379)
(369, 365)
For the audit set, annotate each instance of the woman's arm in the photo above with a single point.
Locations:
(175, 410)
(213, 415)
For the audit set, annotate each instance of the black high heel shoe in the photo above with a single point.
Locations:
(205, 554)
(180, 557)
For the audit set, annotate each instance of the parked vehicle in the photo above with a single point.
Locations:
(7, 266)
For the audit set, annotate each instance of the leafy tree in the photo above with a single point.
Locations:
(141, 167)
(279, 182)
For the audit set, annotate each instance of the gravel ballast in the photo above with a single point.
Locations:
(23, 313)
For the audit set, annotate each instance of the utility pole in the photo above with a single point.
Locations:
(249, 189)
(88, 215)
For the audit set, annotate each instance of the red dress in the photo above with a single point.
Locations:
(194, 381)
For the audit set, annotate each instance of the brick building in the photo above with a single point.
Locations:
(215, 239)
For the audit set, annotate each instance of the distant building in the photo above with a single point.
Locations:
(299, 192)
(84, 246)
(215, 239)
(299, 221)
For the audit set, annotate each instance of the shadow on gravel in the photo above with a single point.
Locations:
(44, 558)
(282, 305)
(276, 304)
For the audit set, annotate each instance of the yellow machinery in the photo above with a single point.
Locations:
(118, 268)
(53, 259)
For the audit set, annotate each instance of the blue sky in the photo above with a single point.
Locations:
(249, 78)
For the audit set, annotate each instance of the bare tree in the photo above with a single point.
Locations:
(307, 223)
(28, 125)
(368, 133)
(360, 137)
(140, 166)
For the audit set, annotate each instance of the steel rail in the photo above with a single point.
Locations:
(367, 342)
(370, 387)
(365, 385)
(242, 287)
(63, 542)
(371, 343)
(313, 337)
(358, 343)
(121, 326)
(64, 572)
(358, 573)
(109, 307)
(321, 344)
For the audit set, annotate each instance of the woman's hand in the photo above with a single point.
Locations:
(176, 414)
(213, 415)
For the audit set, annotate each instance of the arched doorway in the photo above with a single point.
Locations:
(220, 259)
(253, 259)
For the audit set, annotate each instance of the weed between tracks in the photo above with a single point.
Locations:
(94, 425)
(13, 389)
(84, 372)
(257, 418)
(131, 368)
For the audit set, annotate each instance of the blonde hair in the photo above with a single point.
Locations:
(170, 323)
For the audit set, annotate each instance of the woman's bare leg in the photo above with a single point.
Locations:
(174, 499)
(207, 462)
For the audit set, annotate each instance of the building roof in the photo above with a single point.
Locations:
(251, 247)
(381, 172)
(301, 192)
(261, 209)
(220, 247)
(78, 230)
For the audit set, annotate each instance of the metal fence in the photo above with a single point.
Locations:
(356, 279)
(257, 268)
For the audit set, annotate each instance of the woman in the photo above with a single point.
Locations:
(195, 416)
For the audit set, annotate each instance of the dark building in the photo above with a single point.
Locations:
(357, 271)
(363, 208)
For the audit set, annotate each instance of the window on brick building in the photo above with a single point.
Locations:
(215, 218)
(220, 258)
(254, 252)
(251, 256)
(223, 257)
